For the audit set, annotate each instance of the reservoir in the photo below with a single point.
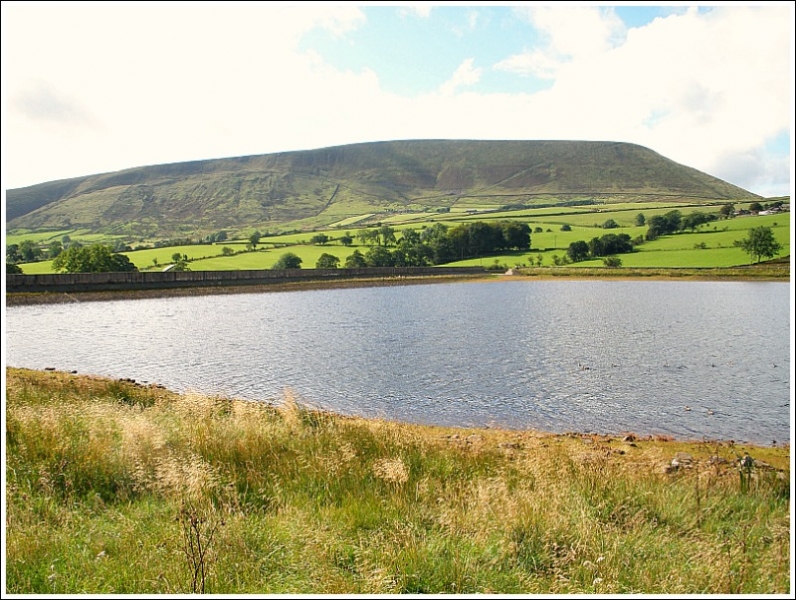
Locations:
(689, 359)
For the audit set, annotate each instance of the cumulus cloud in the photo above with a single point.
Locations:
(706, 90)
(465, 75)
(422, 11)
(339, 20)
(567, 34)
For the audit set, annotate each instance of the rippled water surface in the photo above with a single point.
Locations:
(603, 356)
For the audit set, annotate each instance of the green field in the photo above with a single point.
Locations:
(45, 237)
(676, 250)
(266, 259)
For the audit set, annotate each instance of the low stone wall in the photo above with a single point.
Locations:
(96, 282)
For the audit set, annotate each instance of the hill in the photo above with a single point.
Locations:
(326, 186)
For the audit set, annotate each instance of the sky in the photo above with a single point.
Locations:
(102, 86)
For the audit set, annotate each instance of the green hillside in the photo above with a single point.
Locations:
(319, 188)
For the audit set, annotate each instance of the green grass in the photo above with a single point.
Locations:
(350, 221)
(318, 188)
(43, 267)
(41, 237)
(104, 478)
(309, 254)
(143, 258)
(45, 237)
(668, 251)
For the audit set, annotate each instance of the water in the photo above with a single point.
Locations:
(601, 356)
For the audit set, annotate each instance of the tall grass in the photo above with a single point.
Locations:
(113, 487)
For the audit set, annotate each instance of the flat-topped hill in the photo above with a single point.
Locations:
(331, 184)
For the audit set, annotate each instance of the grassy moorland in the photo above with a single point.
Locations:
(113, 487)
(318, 188)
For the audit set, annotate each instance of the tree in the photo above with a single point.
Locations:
(254, 239)
(227, 251)
(516, 236)
(54, 249)
(610, 224)
(387, 235)
(566, 227)
(98, 258)
(321, 239)
(640, 220)
(180, 262)
(368, 236)
(673, 221)
(411, 251)
(755, 207)
(356, 261)
(29, 250)
(13, 255)
(693, 220)
(379, 256)
(664, 224)
(327, 261)
(346, 240)
(288, 261)
(727, 211)
(578, 251)
(12, 269)
(760, 244)
(612, 261)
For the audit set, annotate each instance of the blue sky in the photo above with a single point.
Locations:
(95, 87)
(413, 52)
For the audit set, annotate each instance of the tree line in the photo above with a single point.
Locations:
(439, 244)
(435, 245)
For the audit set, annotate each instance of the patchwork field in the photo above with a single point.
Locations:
(711, 245)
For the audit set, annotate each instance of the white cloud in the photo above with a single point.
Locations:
(422, 11)
(465, 75)
(568, 34)
(577, 31)
(535, 62)
(338, 19)
(704, 90)
(170, 83)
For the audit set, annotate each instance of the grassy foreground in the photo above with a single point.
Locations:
(114, 487)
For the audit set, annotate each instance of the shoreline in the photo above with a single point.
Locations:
(718, 274)
(507, 432)
(31, 298)
(110, 484)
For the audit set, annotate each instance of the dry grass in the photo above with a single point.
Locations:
(109, 484)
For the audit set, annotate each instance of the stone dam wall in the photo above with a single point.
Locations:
(96, 282)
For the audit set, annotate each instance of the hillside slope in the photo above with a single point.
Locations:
(331, 184)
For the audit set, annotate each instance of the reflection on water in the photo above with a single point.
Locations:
(603, 356)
